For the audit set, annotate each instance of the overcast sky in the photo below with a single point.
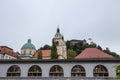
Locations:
(77, 19)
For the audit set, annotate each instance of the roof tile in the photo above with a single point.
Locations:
(93, 53)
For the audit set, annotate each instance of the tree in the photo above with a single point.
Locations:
(71, 54)
(117, 71)
(54, 54)
(99, 47)
(39, 54)
(93, 45)
(107, 50)
(111, 53)
(79, 46)
(45, 47)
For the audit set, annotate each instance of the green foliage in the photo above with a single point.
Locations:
(77, 47)
(92, 45)
(71, 54)
(80, 45)
(45, 47)
(117, 71)
(39, 54)
(111, 53)
(54, 50)
(99, 47)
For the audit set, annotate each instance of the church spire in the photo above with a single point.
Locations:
(58, 34)
(61, 45)
(58, 30)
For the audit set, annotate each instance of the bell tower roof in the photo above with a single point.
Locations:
(58, 34)
(58, 30)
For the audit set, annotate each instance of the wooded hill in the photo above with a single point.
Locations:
(75, 47)
(79, 45)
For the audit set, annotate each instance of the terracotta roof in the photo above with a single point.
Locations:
(15, 54)
(35, 54)
(93, 53)
(46, 53)
(6, 47)
(9, 51)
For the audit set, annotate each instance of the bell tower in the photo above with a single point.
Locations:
(60, 45)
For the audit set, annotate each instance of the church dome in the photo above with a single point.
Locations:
(28, 45)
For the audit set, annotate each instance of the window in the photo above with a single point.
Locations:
(78, 70)
(56, 71)
(6, 57)
(35, 71)
(24, 52)
(14, 71)
(100, 70)
(30, 52)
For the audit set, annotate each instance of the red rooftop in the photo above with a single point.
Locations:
(93, 53)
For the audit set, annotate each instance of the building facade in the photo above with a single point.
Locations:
(45, 54)
(59, 68)
(8, 53)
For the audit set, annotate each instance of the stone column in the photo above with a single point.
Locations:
(89, 70)
(45, 69)
(66, 70)
(24, 70)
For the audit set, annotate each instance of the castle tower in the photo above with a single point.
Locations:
(61, 45)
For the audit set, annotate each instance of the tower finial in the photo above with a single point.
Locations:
(58, 30)
(29, 40)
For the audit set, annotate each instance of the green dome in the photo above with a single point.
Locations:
(28, 45)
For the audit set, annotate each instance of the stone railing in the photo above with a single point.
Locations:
(57, 78)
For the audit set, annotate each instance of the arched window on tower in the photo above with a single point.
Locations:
(14, 71)
(56, 71)
(35, 71)
(57, 43)
(78, 70)
(100, 70)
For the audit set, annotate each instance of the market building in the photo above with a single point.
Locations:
(84, 68)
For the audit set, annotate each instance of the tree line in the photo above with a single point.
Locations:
(74, 48)
(82, 44)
